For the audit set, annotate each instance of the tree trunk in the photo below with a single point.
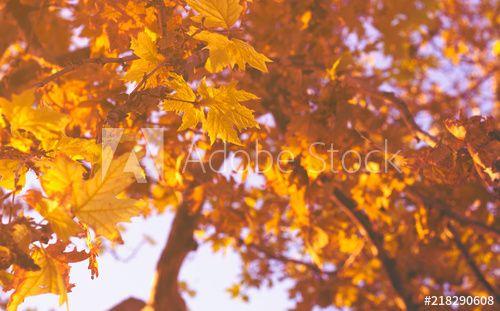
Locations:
(165, 295)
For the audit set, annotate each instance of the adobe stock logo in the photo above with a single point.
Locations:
(333, 160)
(152, 138)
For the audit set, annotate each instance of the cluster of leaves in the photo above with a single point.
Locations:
(199, 70)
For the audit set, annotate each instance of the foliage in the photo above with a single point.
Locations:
(405, 80)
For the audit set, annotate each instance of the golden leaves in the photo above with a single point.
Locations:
(217, 13)
(61, 177)
(332, 71)
(183, 102)
(226, 113)
(94, 201)
(225, 116)
(96, 204)
(51, 278)
(43, 122)
(144, 47)
(455, 128)
(60, 220)
(226, 52)
(12, 174)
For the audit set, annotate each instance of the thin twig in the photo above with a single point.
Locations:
(97, 60)
(145, 79)
(399, 103)
(284, 259)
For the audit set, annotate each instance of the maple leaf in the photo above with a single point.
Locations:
(51, 278)
(226, 113)
(78, 148)
(12, 173)
(43, 122)
(144, 47)
(217, 13)
(95, 202)
(60, 177)
(182, 102)
(60, 220)
(230, 52)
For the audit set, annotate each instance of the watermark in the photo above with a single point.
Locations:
(322, 157)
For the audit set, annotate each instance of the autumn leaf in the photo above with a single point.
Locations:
(78, 148)
(182, 102)
(144, 47)
(51, 278)
(95, 201)
(226, 52)
(12, 173)
(217, 13)
(61, 177)
(332, 71)
(225, 117)
(21, 114)
(59, 218)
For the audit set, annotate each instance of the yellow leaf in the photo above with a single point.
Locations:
(226, 114)
(305, 19)
(59, 218)
(95, 202)
(43, 122)
(217, 13)
(182, 101)
(60, 177)
(144, 47)
(332, 72)
(230, 52)
(79, 148)
(12, 174)
(51, 278)
(455, 128)
(348, 244)
(320, 238)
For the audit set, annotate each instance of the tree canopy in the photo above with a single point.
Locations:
(349, 147)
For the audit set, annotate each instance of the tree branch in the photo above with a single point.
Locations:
(365, 226)
(471, 263)
(284, 259)
(399, 103)
(162, 16)
(97, 60)
(424, 199)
